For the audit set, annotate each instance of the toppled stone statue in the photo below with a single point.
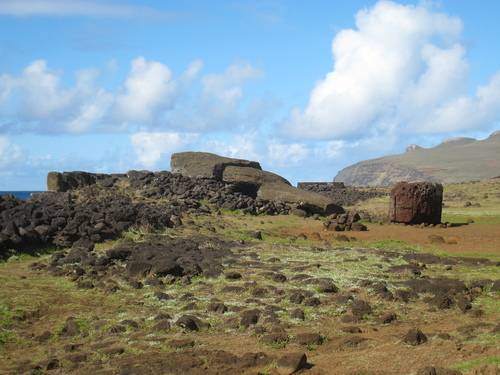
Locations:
(205, 164)
(416, 203)
(252, 180)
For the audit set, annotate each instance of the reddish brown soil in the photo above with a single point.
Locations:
(472, 239)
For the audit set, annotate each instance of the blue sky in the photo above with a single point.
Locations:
(306, 89)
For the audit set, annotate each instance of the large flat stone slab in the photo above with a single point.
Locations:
(205, 164)
(306, 200)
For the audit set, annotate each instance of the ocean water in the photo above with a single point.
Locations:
(19, 194)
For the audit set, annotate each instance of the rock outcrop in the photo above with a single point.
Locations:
(205, 164)
(416, 203)
(65, 181)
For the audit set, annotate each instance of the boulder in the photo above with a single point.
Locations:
(234, 174)
(416, 203)
(305, 200)
(205, 164)
(64, 181)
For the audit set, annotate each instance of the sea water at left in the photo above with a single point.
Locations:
(19, 194)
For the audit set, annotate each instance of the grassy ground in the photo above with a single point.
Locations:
(35, 305)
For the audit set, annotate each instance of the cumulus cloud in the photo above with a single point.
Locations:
(150, 148)
(148, 88)
(85, 8)
(38, 100)
(150, 98)
(226, 86)
(285, 154)
(220, 104)
(10, 154)
(403, 69)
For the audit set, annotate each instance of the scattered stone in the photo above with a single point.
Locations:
(52, 364)
(191, 323)
(415, 337)
(232, 275)
(388, 318)
(297, 314)
(249, 317)
(275, 338)
(162, 325)
(291, 363)
(113, 350)
(217, 307)
(360, 308)
(325, 286)
(351, 329)
(308, 339)
(70, 328)
(181, 343)
(162, 296)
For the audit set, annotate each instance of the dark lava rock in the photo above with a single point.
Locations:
(291, 363)
(278, 277)
(415, 337)
(325, 286)
(312, 301)
(351, 329)
(232, 275)
(52, 364)
(70, 328)
(249, 317)
(442, 301)
(217, 307)
(297, 314)
(275, 338)
(308, 339)
(162, 325)
(437, 286)
(191, 323)
(360, 308)
(162, 296)
(388, 318)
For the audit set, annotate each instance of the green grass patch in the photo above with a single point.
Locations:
(393, 245)
(469, 365)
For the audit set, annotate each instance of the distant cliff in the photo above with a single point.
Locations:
(454, 160)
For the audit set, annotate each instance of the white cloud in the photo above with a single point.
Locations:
(242, 146)
(284, 154)
(226, 87)
(220, 105)
(400, 64)
(10, 154)
(60, 8)
(465, 112)
(149, 99)
(150, 148)
(148, 88)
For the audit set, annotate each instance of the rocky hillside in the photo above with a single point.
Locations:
(454, 160)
